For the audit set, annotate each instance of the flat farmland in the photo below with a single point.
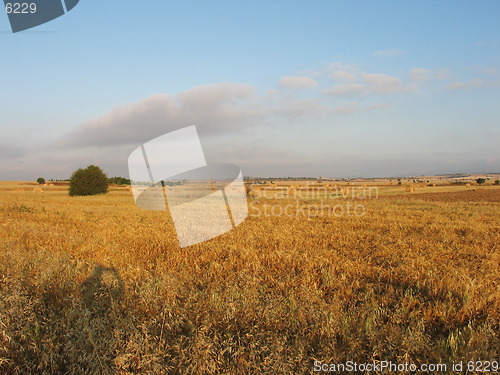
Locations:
(96, 285)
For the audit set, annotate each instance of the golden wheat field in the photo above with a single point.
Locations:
(94, 285)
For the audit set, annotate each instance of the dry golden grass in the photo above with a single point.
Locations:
(95, 285)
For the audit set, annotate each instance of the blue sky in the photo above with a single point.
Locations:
(333, 88)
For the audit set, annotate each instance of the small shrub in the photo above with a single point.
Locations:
(40, 180)
(497, 182)
(89, 181)
(480, 181)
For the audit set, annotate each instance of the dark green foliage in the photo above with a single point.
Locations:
(119, 181)
(480, 181)
(89, 181)
(497, 182)
(40, 180)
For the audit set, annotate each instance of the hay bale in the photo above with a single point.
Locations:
(37, 190)
(292, 192)
(408, 188)
(467, 185)
(18, 190)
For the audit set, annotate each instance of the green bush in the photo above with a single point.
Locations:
(497, 182)
(480, 181)
(40, 180)
(119, 181)
(89, 181)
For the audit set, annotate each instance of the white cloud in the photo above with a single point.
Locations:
(354, 81)
(297, 82)
(420, 74)
(299, 108)
(472, 84)
(215, 108)
(343, 76)
(346, 109)
(337, 65)
(311, 73)
(346, 89)
(382, 105)
(442, 73)
(384, 83)
(423, 75)
(372, 84)
(388, 53)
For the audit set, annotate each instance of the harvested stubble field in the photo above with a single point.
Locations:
(95, 285)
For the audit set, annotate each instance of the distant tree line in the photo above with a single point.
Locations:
(119, 181)
(112, 180)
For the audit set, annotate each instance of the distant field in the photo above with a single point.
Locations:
(96, 285)
(27, 186)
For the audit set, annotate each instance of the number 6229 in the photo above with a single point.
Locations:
(20, 8)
